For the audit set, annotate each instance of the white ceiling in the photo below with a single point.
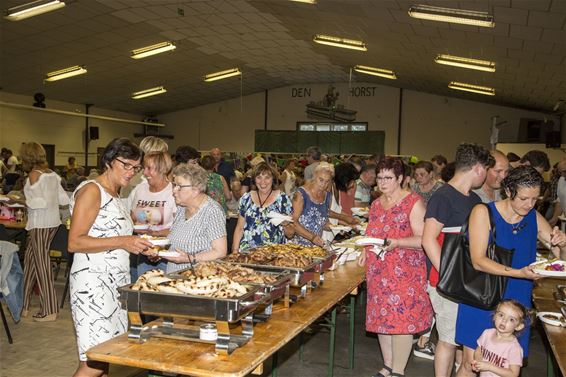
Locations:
(271, 41)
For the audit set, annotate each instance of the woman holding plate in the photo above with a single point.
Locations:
(198, 232)
(398, 305)
(518, 226)
(254, 227)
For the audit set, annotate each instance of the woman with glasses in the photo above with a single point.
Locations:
(198, 232)
(152, 203)
(44, 195)
(397, 303)
(101, 240)
(254, 228)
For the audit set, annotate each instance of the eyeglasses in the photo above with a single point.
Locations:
(130, 167)
(386, 179)
(178, 186)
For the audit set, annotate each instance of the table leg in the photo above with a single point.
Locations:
(301, 348)
(352, 317)
(274, 364)
(332, 342)
(549, 364)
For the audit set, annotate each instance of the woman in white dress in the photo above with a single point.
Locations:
(101, 240)
(288, 177)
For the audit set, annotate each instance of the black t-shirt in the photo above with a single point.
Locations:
(450, 207)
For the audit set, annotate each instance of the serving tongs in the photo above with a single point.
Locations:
(191, 263)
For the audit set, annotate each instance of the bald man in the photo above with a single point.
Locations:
(491, 188)
(222, 167)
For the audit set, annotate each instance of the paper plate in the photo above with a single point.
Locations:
(360, 211)
(141, 226)
(370, 241)
(551, 318)
(340, 228)
(168, 254)
(539, 268)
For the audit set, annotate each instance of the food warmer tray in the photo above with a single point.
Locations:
(560, 294)
(223, 311)
(276, 290)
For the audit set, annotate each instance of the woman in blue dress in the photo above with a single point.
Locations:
(518, 225)
(311, 207)
(254, 228)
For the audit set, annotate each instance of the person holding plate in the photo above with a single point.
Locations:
(198, 232)
(518, 226)
(254, 227)
(398, 305)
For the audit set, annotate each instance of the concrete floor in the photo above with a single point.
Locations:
(49, 349)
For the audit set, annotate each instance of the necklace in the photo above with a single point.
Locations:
(517, 228)
(261, 203)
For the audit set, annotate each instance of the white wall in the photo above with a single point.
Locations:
(64, 131)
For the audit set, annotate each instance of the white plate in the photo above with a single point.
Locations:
(4, 198)
(168, 254)
(452, 229)
(15, 205)
(141, 226)
(549, 321)
(340, 228)
(370, 241)
(360, 211)
(157, 241)
(541, 271)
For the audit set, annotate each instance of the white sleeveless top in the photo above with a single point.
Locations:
(112, 220)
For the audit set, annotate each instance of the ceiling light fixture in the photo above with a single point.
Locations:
(152, 50)
(340, 42)
(66, 73)
(149, 92)
(32, 9)
(305, 1)
(457, 61)
(457, 16)
(472, 88)
(376, 72)
(222, 74)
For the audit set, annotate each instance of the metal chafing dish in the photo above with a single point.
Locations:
(223, 311)
(560, 294)
(276, 290)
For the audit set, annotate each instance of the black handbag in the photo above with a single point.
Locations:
(460, 282)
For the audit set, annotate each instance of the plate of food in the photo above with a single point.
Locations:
(166, 253)
(159, 243)
(552, 318)
(340, 228)
(366, 241)
(141, 226)
(360, 211)
(553, 267)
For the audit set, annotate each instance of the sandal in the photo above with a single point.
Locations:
(45, 317)
(379, 374)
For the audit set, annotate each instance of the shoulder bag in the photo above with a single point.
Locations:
(460, 282)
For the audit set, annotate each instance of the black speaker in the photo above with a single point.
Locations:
(553, 139)
(93, 133)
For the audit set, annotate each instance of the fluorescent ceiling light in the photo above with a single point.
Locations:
(340, 42)
(66, 73)
(152, 50)
(222, 74)
(472, 88)
(376, 71)
(457, 16)
(149, 92)
(457, 61)
(32, 9)
(305, 1)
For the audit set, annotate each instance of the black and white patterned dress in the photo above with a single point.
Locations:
(95, 277)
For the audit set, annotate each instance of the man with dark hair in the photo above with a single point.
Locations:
(186, 154)
(313, 158)
(450, 206)
(536, 159)
(222, 167)
(513, 159)
(439, 162)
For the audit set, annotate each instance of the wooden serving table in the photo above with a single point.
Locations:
(543, 298)
(199, 359)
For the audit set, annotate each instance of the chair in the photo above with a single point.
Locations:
(4, 321)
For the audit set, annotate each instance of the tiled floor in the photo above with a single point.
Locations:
(49, 349)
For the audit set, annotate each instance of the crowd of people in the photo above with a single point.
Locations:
(145, 189)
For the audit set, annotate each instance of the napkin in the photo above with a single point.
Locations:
(277, 218)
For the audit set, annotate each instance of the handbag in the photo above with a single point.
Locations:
(460, 282)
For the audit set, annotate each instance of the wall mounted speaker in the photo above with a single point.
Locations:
(93, 133)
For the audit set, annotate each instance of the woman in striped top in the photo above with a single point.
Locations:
(198, 232)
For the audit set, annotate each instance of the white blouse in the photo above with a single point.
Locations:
(43, 199)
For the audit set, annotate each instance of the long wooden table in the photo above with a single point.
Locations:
(198, 359)
(543, 297)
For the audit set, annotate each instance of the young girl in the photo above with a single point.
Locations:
(499, 353)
